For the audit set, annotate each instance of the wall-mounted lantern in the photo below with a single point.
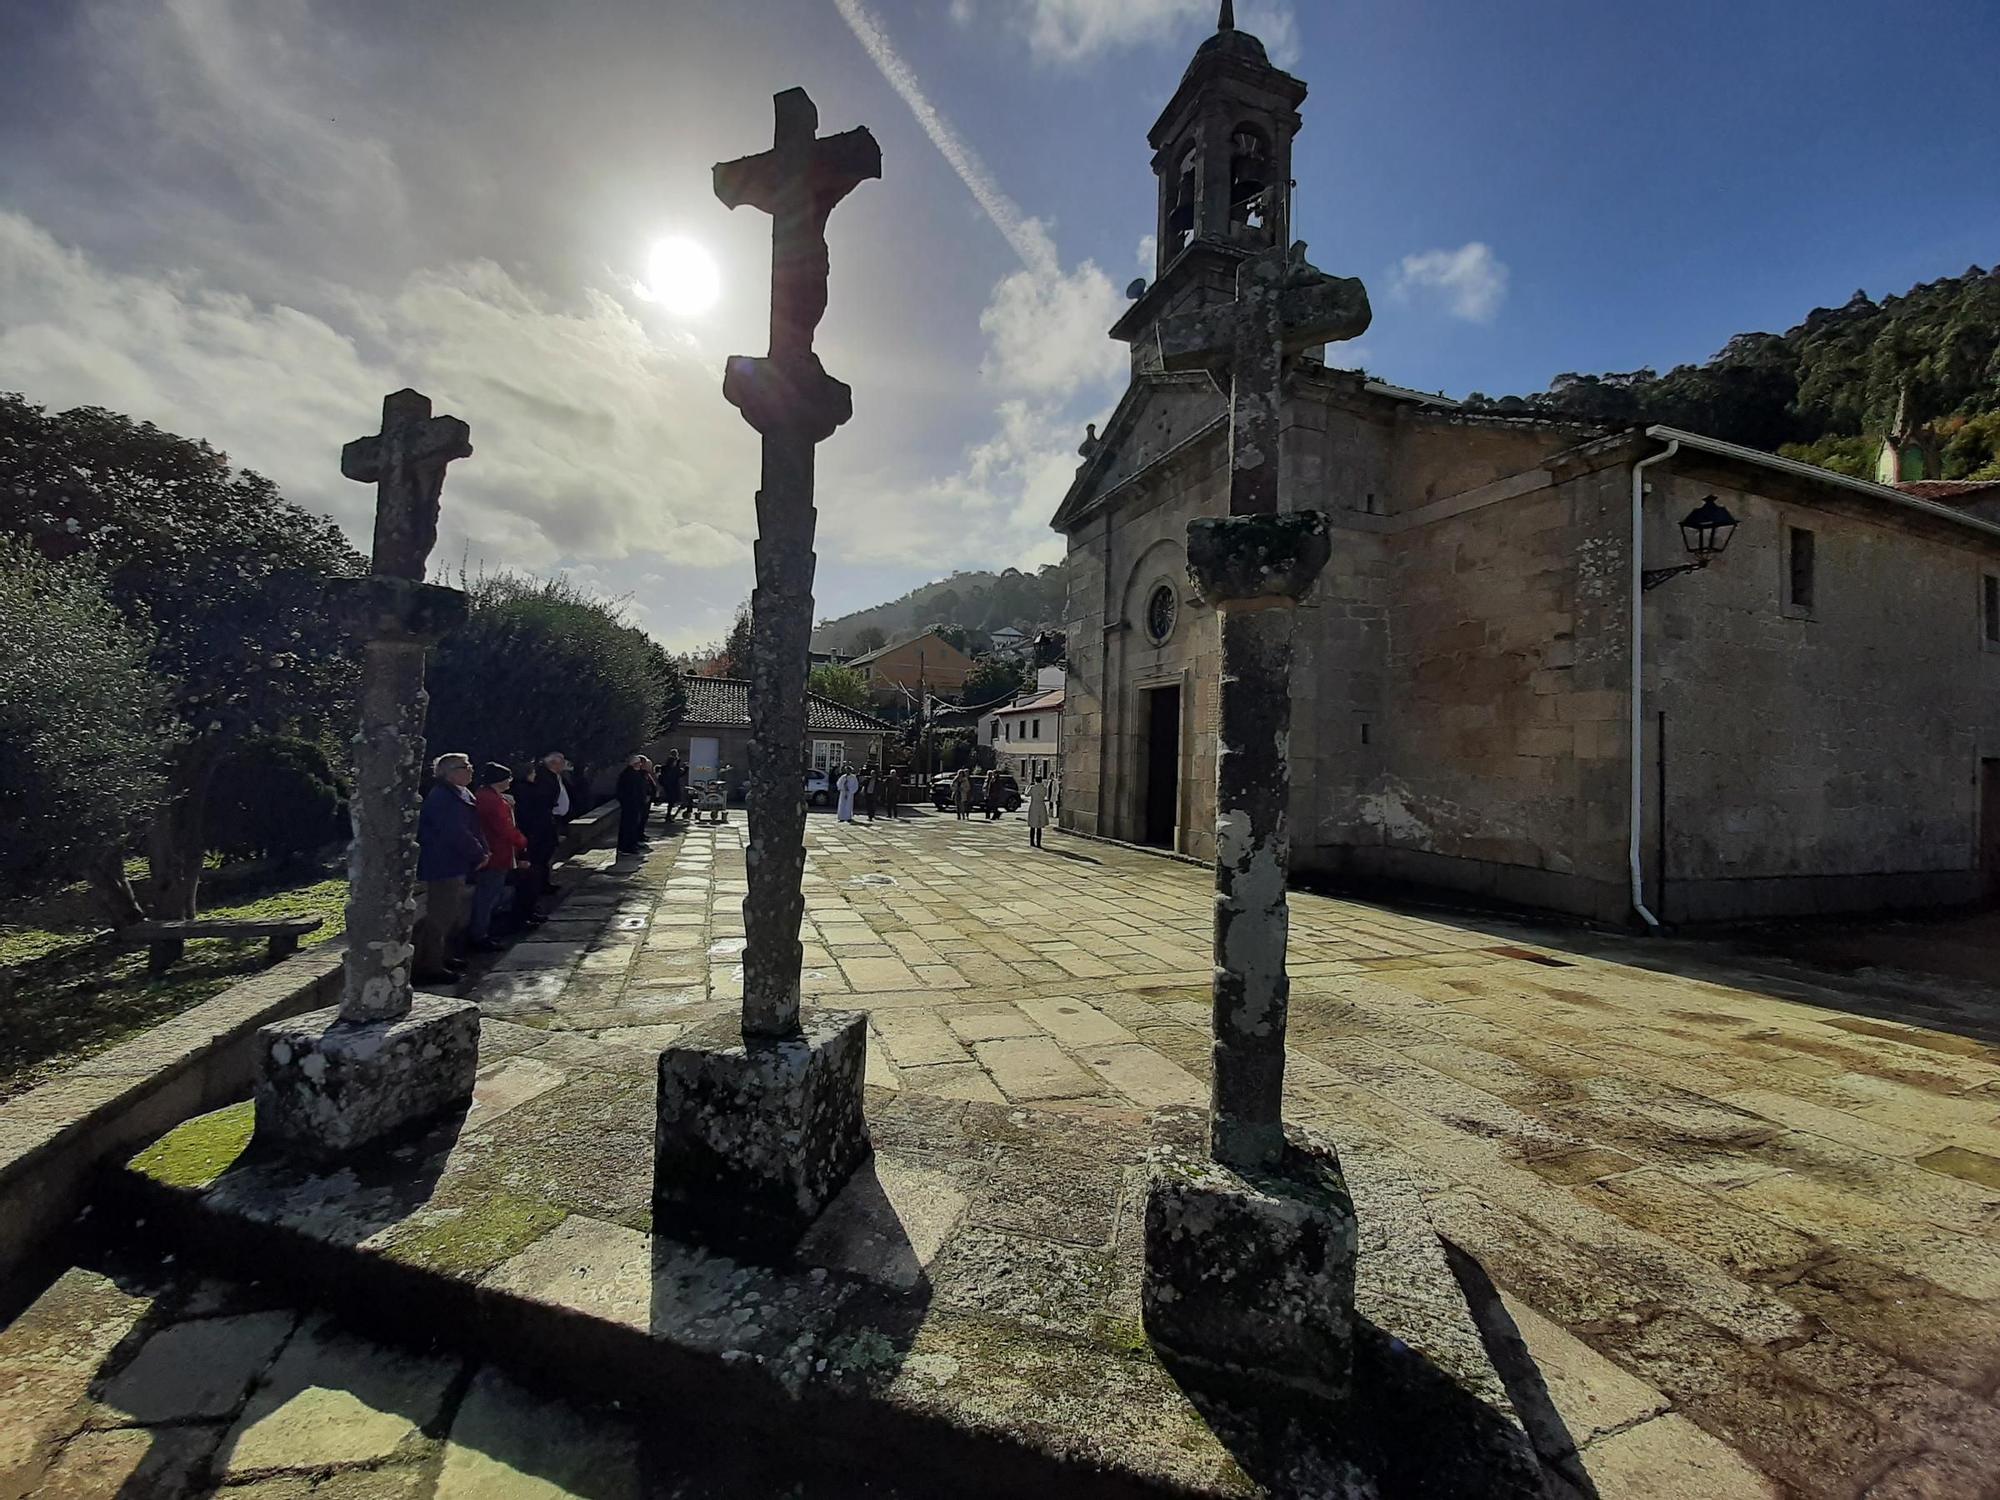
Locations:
(1705, 532)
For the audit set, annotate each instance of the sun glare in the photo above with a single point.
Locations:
(681, 276)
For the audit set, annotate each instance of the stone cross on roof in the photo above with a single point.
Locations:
(1283, 305)
(406, 463)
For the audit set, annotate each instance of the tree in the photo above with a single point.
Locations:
(541, 666)
(992, 677)
(842, 685)
(82, 720)
(228, 576)
(278, 799)
(867, 638)
(739, 647)
(670, 676)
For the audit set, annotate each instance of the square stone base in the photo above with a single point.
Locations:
(325, 1088)
(1250, 1275)
(754, 1136)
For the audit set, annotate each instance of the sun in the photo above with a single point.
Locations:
(681, 276)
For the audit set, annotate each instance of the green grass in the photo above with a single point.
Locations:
(201, 1150)
(76, 995)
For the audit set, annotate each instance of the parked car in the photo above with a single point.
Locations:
(819, 789)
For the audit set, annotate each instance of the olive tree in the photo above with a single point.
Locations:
(82, 721)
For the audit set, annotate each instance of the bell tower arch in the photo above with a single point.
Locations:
(1222, 155)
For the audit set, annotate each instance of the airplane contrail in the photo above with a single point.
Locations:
(1021, 232)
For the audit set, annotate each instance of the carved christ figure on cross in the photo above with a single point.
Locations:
(1283, 305)
(797, 182)
(406, 463)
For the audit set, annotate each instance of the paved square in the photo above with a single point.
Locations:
(1747, 1214)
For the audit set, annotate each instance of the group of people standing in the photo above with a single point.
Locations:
(483, 855)
(867, 787)
(1035, 801)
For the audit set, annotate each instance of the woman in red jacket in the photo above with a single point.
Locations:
(496, 825)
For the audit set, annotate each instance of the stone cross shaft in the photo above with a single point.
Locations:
(1254, 565)
(397, 616)
(791, 400)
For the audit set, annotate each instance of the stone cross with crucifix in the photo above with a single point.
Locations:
(760, 1122)
(791, 400)
(336, 1080)
(1250, 1242)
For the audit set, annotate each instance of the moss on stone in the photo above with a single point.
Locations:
(1126, 1335)
(193, 1155)
(495, 1226)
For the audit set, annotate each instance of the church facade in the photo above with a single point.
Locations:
(1514, 678)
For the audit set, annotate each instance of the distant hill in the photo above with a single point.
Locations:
(979, 602)
(1825, 390)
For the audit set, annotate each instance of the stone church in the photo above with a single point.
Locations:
(1540, 667)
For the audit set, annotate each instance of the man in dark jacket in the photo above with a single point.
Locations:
(542, 805)
(450, 850)
(636, 790)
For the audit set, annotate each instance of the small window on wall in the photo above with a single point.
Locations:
(1989, 611)
(1162, 607)
(1801, 582)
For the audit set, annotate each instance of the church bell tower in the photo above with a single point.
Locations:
(1222, 152)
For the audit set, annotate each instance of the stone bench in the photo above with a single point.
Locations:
(167, 940)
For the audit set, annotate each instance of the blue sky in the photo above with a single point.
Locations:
(246, 219)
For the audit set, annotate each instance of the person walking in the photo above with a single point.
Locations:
(848, 784)
(892, 790)
(504, 844)
(1038, 811)
(449, 852)
(961, 793)
(635, 798)
(995, 792)
(541, 807)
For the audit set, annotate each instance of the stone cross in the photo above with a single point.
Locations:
(761, 1122)
(790, 399)
(397, 616)
(337, 1081)
(1253, 566)
(405, 462)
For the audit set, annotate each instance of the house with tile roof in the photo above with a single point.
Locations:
(714, 738)
(901, 671)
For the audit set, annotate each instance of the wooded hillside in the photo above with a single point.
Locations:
(1825, 390)
(979, 602)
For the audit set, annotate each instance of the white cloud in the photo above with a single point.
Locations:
(1469, 282)
(1070, 31)
(592, 441)
(1046, 330)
